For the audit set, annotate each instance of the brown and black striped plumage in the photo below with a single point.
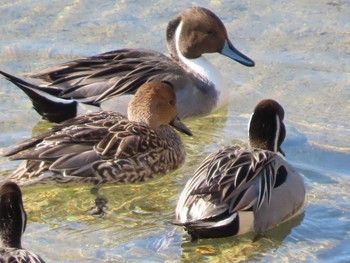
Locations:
(242, 189)
(106, 146)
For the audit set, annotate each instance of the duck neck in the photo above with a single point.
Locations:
(204, 73)
(165, 132)
(12, 222)
(8, 241)
(266, 131)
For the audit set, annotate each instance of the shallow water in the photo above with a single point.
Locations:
(302, 54)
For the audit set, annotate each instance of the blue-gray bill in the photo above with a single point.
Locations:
(230, 51)
(178, 125)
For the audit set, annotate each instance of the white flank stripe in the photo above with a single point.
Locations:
(50, 97)
(226, 221)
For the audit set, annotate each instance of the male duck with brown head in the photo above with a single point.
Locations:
(99, 81)
(105, 146)
(13, 220)
(244, 189)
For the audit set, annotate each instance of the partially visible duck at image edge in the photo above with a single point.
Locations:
(13, 220)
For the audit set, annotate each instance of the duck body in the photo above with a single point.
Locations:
(13, 220)
(103, 146)
(238, 190)
(121, 72)
(97, 82)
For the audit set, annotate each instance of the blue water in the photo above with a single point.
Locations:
(302, 54)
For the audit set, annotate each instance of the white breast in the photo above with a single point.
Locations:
(206, 70)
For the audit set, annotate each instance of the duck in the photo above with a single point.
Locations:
(107, 147)
(243, 189)
(13, 220)
(97, 82)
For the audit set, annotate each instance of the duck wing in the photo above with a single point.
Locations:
(68, 149)
(98, 78)
(231, 180)
(81, 146)
(68, 127)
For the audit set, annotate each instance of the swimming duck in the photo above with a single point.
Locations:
(96, 82)
(104, 146)
(13, 220)
(244, 189)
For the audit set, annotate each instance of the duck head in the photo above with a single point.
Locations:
(154, 103)
(13, 217)
(266, 129)
(201, 31)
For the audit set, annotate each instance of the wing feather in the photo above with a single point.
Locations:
(234, 178)
(68, 148)
(98, 78)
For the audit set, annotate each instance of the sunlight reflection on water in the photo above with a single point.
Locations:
(302, 59)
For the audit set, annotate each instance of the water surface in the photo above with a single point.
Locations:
(302, 54)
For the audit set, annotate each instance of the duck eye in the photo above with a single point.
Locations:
(172, 102)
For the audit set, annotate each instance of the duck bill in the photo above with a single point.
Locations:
(230, 51)
(178, 125)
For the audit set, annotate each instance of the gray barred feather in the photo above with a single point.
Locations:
(110, 74)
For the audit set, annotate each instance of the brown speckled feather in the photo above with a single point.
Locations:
(100, 147)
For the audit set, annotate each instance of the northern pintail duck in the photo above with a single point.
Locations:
(105, 146)
(244, 189)
(100, 80)
(13, 220)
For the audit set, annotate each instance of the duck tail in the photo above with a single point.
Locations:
(211, 229)
(44, 100)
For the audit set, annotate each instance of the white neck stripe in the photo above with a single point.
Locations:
(205, 69)
(277, 134)
(249, 136)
